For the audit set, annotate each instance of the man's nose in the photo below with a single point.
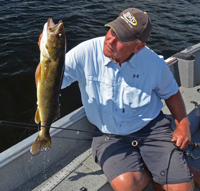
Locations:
(113, 39)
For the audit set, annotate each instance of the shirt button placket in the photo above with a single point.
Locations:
(117, 89)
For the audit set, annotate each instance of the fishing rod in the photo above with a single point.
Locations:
(134, 143)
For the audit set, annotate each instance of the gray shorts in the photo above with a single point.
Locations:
(165, 162)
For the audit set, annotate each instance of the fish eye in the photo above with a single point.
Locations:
(60, 35)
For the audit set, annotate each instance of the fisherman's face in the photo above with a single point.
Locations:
(117, 50)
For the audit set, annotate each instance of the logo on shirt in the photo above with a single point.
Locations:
(135, 75)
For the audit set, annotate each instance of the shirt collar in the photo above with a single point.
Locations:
(132, 60)
(107, 60)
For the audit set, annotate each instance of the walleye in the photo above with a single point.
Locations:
(51, 68)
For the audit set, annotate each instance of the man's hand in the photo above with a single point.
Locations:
(182, 135)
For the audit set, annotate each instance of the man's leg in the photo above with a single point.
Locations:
(164, 160)
(157, 187)
(121, 162)
(185, 186)
(196, 178)
(131, 181)
(196, 175)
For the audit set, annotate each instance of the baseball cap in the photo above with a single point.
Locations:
(132, 24)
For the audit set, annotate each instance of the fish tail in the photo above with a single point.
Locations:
(40, 143)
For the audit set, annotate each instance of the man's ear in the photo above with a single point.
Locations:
(139, 47)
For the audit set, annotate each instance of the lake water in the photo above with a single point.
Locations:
(175, 27)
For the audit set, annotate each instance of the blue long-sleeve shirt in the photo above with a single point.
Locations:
(119, 100)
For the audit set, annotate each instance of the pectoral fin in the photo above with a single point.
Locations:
(39, 73)
(37, 116)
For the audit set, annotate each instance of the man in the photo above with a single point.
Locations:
(121, 83)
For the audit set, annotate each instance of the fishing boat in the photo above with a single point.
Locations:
(69, 164)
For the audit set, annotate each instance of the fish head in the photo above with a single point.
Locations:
(53, 39)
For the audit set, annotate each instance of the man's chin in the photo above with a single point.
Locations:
(107, 54)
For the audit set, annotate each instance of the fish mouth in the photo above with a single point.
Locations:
(53, 28)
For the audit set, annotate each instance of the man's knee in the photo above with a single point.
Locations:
(185, 186)
(131, 181)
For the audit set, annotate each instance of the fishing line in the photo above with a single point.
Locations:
(33, 126)
(73, 138)
(21, 114)
(27, 128)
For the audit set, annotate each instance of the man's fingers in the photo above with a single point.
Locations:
(184, 144)
(174, 139)
(181, 142)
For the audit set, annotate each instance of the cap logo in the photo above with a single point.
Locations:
(130, 18)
